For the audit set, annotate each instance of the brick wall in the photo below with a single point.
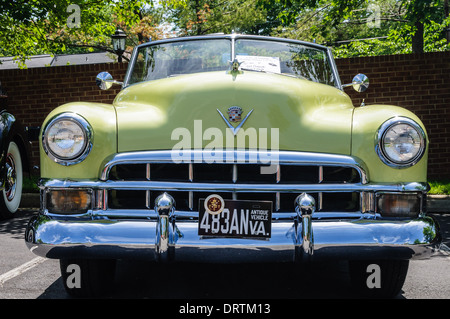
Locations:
(418, 82)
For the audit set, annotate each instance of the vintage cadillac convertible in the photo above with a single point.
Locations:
(233, 148)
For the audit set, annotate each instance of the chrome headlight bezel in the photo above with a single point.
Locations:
(86, 147)
(381, 134)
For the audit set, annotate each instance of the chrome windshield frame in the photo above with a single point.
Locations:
(233, 37)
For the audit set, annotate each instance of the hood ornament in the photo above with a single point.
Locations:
(234, 68)
(234, 115)
(234, 65)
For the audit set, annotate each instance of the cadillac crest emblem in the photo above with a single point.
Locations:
(234, 114)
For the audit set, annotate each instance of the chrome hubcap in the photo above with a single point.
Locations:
(11, 178)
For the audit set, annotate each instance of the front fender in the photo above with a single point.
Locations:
(102, 118)
(366, 122)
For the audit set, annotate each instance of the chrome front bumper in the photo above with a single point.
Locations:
(170, 240)
(168, 234)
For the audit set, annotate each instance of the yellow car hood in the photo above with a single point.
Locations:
(296, 114)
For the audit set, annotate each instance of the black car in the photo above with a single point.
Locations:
(15, 160)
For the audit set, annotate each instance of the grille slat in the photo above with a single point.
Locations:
(285, 174)
(234, 173)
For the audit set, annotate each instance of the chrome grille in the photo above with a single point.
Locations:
(324, 180)
(233, 173)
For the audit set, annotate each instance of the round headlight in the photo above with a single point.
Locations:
(400, 142)
(67, 139)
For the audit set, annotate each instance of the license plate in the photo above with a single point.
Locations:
(238, 218)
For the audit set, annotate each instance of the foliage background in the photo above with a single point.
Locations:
(351, 28)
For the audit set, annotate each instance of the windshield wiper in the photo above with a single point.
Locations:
(269, 72)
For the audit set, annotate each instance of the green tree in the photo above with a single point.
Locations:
(391, 26)
(198, 17)
(67, 26)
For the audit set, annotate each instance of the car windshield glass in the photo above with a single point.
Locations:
(183, 57)
(285, 58)
(168, 59)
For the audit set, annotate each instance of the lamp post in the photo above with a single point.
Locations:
(118, 42)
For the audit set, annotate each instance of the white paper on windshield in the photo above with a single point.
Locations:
(259, 63)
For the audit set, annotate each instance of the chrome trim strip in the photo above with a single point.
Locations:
(233, 36)
(191, 172)
(277, 201)
(105, 199)
(338, 82)
(148, 203)
(320, 195)
(147, 171)
(49, 184)
(234, 179)
(235, 157)
(193, 215)
(233, 47)
(130, 66)
(191, 200)
(277, 194)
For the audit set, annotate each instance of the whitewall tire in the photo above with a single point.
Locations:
(12, 192)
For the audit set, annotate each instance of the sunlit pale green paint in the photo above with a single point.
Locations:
(366, 123)
(102, 118)
(310, 117)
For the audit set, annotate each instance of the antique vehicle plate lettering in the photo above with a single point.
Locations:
(239, 218)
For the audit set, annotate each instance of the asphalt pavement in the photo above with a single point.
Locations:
(26, 276)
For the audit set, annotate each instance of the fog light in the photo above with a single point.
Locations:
(68, 202)
(399, 205)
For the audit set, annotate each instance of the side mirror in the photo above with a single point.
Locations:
(360, 83)
(104, 81)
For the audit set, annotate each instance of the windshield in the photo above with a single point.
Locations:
(174, 58)
(177, 58)
(285, 58)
